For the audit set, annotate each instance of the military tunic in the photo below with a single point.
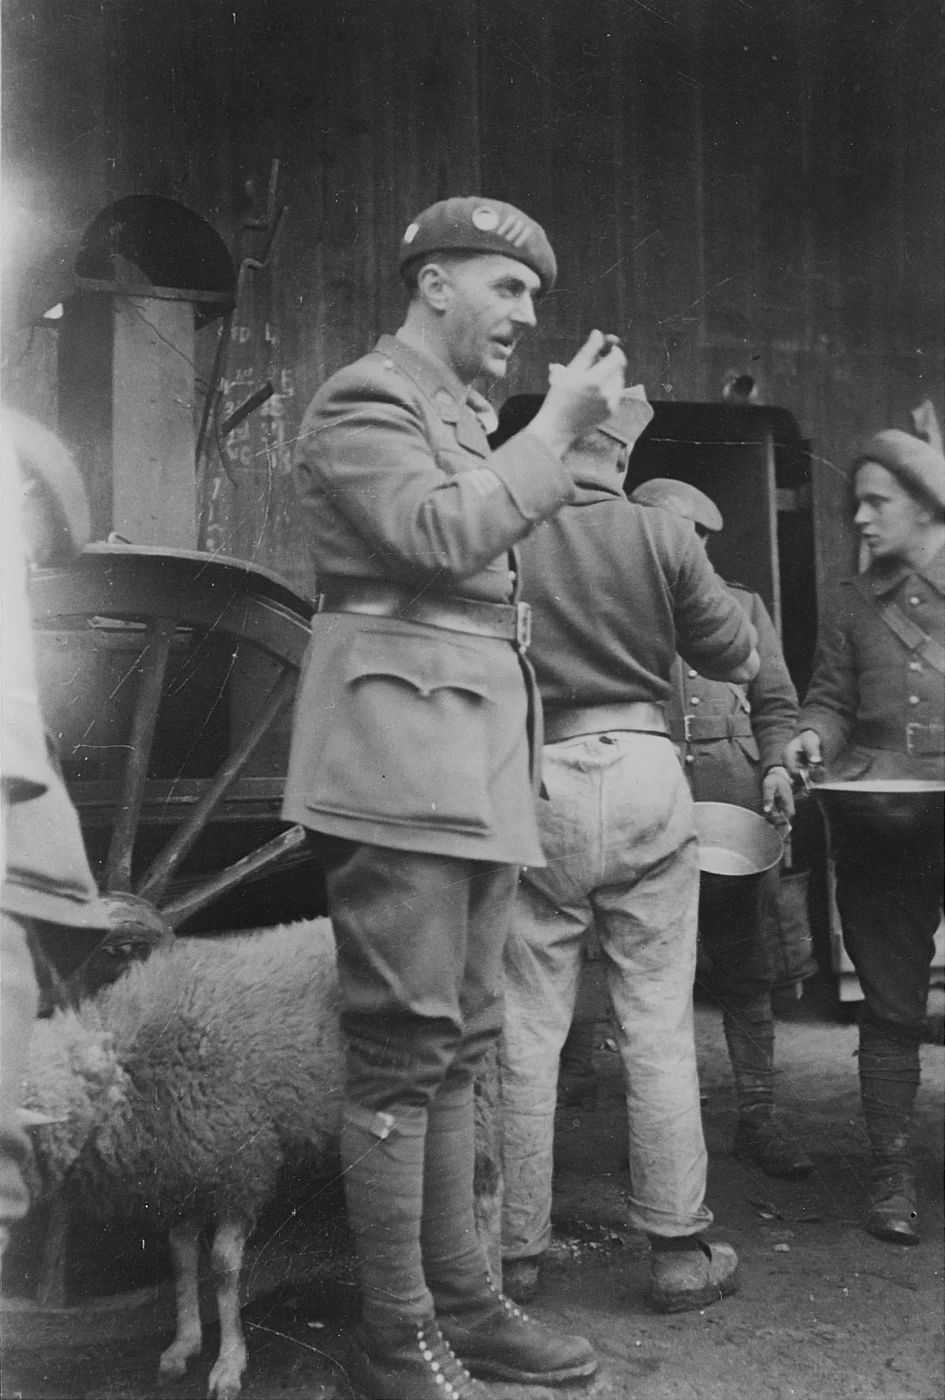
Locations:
(879, 706)
(730, 735)
(409, 746)
(410, 736)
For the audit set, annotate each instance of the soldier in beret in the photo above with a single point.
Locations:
(875, 712)
(410, 759)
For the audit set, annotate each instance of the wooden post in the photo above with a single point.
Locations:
(126, 408)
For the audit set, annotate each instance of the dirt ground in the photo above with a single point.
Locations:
(824, 1312)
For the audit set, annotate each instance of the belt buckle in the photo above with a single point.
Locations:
(687, 732)
(910, 728)
(523, 625)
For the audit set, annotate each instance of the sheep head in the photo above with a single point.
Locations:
(75, 1082)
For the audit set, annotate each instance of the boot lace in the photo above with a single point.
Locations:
(512, 1309)
(449, 1372)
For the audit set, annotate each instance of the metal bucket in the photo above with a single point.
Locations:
(735, 841)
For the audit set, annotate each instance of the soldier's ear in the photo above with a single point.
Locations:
(434, 286)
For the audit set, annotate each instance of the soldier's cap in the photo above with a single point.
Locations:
(474, 224)
(681, 499)
(624, 426)
(917, 466)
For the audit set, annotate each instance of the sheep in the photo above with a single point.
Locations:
(182, 1090)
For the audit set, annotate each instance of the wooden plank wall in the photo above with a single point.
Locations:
(731, 188)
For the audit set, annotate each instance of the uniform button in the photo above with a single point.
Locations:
(690, 758)
(914, 700)
(915, 665)
(693, 674)
(388, 364)
(915, 600)
(694, 700)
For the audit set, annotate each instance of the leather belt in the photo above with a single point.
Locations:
(912, 737)
(635, 716)
(510, 622)
(703, 728)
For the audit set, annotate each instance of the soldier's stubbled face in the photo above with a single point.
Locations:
(888, 518)
(488, 303)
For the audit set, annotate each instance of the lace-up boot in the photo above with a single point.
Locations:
(412, 1362)
(495, 1338)
(491, 1335)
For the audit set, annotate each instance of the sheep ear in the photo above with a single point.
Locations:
(29, 1118)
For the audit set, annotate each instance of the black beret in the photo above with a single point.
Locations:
(472, 224)
(918, 467)
(681, 499)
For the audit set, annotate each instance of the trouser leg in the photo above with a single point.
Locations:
(888, 896)
(419, 956)
(732, 915)
(889, 1082)
(732, 919)
(543, 959)
(648, 933)
(749, 1035)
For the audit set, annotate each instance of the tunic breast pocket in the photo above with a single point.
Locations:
(412, 746)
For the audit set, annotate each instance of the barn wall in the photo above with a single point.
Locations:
(729, 188)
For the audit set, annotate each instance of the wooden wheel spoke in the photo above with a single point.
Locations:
(153, 665)
(177, 910)
(155, 881)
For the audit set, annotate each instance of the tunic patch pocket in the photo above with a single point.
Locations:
(413, 747)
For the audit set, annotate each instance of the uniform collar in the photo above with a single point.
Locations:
(442, 387)
(885, 580)
(429, 373)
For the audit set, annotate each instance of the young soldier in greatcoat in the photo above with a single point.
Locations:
(410, 755)
(875, 711)
(616, 589)
(731, 738)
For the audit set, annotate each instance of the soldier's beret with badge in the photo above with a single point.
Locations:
(472, 224)
(681, 499)
(918, 467)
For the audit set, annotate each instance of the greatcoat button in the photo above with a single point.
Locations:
(915, 600)
(915, 665)
(694, 700)
(914, 700)
(693, 674)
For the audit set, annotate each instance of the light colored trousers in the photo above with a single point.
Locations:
(621, 847)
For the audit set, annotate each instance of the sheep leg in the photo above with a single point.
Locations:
(226, 1258)
(185, 1253)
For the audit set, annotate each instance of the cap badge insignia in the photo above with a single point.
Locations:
(485, 218)
(411, 233)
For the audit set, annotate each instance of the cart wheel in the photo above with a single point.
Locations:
(166, 676)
